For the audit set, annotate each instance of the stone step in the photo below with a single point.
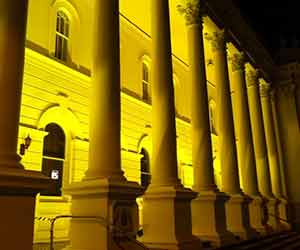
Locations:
(275, 241)
(295, 246)
(288, 240)
(263, 243)
(285, 244)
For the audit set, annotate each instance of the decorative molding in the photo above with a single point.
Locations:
(252, 77)
(217, 40)
(237, 61)
(191, 10)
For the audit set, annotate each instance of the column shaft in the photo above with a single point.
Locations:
(245, 148)
(104, 154)
(243, 127)
(104, 192)
(237, 206)
(209, 207)
(13, 19)
(278, 143)
(287, 111)
(18, 187)
(164, 156)
(165, 199)
(260, 150)
(228, 155)
(201, 139)
(271, 140)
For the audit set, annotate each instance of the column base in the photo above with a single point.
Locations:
(256, 215)
(18, 188)
(283, 207)
(209, 219)
(114, 205)
(273, 214)
(167, 219)
(237, 217)
(294, 214)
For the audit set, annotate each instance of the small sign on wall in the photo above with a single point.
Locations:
(54, 174)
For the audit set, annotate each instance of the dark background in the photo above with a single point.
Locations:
(277, 22)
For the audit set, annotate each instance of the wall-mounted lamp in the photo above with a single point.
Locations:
(25, 145)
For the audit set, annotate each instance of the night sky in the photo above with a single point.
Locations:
(274, 21)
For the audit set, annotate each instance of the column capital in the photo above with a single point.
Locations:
(273, 93)
(191, 10)
(252, 77)
(217, 39)
(264, 89)
(237, 61)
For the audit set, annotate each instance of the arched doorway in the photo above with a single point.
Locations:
(54, 157)
(145, 168)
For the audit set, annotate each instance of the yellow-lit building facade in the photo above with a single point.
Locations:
(55, 111)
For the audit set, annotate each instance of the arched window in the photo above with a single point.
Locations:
(62, 36)
(145, 168)
(53, 157)
(146, 87)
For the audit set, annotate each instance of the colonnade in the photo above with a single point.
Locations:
(173, 215)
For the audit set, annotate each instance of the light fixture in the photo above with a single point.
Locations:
(25, 145)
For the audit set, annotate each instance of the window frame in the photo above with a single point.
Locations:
(75, 32)
(64, 35)
(146, 84)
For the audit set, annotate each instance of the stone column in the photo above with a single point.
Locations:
(208, 209)
(165, 200)
(263, 173)
(284, 205)
(270, 139)
(245, 146)
(278, 141)
(104, 191)
(272, 147)
(105, 116)
(236, 207)
(18, 187)
(290, 131)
